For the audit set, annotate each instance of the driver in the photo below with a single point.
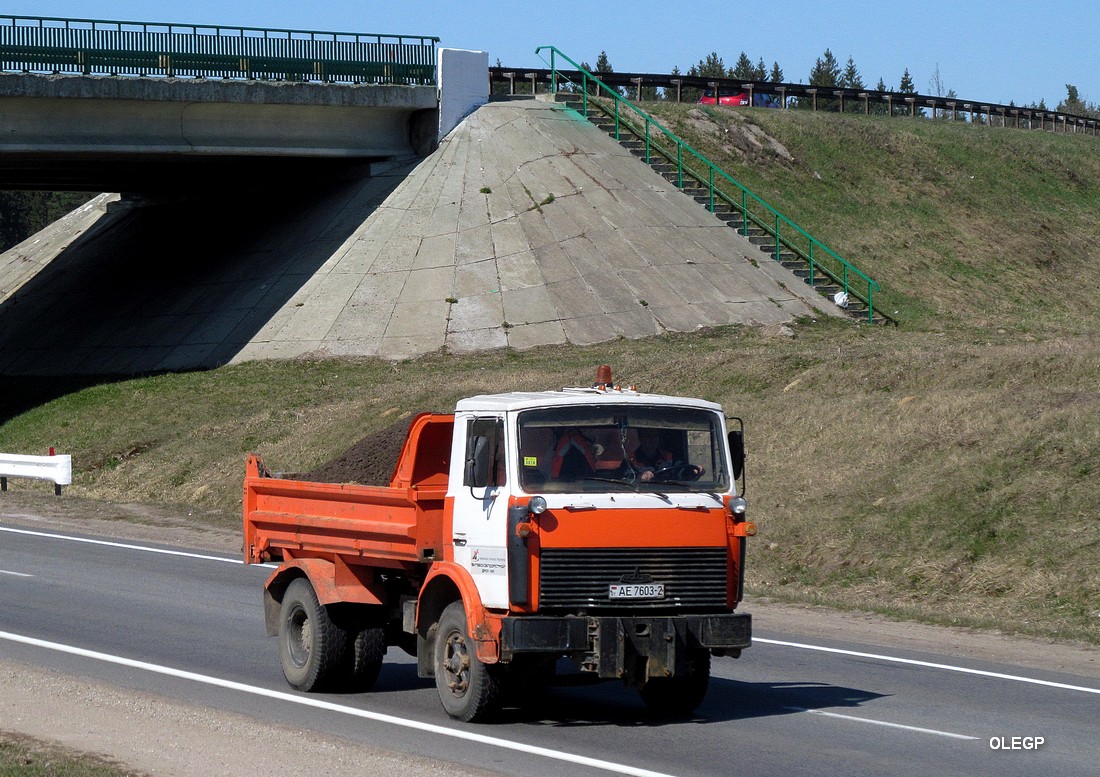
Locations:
(649, 457)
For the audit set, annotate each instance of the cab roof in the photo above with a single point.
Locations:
(525, 400)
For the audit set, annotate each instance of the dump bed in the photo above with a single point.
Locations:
(394, 526)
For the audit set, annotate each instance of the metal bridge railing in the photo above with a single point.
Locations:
(693, 166)
(87, 47)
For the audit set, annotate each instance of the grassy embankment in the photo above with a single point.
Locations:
(942, 471)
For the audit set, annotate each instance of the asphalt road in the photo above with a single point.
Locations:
(189, 626)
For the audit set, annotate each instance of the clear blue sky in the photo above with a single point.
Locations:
(985, 50)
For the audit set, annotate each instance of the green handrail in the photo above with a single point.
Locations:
(772, 222)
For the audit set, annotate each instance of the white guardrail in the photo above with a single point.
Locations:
(56, 469)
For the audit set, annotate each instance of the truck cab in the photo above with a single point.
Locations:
(602, 472)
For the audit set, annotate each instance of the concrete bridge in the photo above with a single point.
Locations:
(280, 220)
(98, 133)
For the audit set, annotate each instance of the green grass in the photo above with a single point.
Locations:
(941, 471)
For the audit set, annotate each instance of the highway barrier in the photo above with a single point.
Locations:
(56, 469)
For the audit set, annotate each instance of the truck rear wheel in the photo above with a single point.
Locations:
(367, 654)
(678, 696)
(468, 689)
(312, 649)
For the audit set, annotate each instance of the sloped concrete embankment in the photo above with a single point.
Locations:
(527, 227)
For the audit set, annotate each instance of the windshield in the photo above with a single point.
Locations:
(600, 449)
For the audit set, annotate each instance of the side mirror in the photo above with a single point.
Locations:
(737, 452)
(477, 462)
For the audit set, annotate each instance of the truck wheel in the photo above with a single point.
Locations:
(468, 688)
(367, 654)
(312, 649)
(678, 696)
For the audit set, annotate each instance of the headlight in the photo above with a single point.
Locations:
(738, 506)
(537, 505)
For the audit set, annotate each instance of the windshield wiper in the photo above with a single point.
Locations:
(616, 481)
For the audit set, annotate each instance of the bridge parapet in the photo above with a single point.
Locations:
(88, 47)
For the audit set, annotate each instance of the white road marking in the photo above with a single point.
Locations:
(917, 729)
(431, 728)
(14, 574)
(929, 665)
(126, 546)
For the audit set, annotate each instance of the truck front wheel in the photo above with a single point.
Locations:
(678, 696)
(312, 649)
(468, 688)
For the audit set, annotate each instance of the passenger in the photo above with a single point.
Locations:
(574, 457)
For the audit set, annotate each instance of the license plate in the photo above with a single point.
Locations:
(637, 590)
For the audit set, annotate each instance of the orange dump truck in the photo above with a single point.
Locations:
(599, 524)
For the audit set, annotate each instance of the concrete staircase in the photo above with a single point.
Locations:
(697, 189)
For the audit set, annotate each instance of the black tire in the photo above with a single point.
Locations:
(468, 689)
(312, 649)
(368, 651)
(679, 696)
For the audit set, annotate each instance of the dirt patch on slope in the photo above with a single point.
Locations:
(738, 136)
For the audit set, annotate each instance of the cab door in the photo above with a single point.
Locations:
(481, 506)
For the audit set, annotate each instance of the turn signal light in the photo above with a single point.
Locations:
(743, 529)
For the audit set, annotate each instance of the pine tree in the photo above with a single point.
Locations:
(851, 79)
(776, 76)
(825, 73)
(711, 67)
(743, 69)
(908, 87)
(879, 109)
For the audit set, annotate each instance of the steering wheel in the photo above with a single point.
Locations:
(678, 472)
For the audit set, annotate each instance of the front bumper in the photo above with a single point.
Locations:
(619, 646)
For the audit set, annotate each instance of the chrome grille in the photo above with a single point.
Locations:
(580, 579)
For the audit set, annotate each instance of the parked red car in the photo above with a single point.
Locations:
(707, 98)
